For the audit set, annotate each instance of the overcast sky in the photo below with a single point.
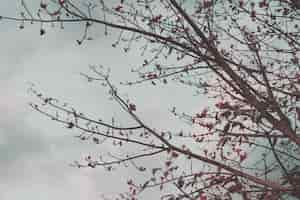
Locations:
(34, 151)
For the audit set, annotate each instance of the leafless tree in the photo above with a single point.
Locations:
(244, 54)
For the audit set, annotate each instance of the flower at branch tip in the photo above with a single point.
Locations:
(241, 3)
(118, 8)
(156, 19)
(70, 125)
(243, 156)
(222, 105)
(202, 197)
(202, 114)
(207, 4)
(42, 31)
(43, 5)
(132, 107)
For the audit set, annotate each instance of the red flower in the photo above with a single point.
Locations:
(222, 105)
(152, 76)
(253, 14)
(202, 114)
(298, 113)
(156, 19)
(207, 4)
(209, 126)
(241, 3)
(43, 5)
(174, 154)
(132, 107)
(203, 197)
(263, 4)
(295, 60)
(243, 156)
(118, 8)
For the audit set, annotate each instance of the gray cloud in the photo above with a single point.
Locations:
(34, 151)
(18, 140)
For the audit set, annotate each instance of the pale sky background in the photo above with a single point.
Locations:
(34, 151)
